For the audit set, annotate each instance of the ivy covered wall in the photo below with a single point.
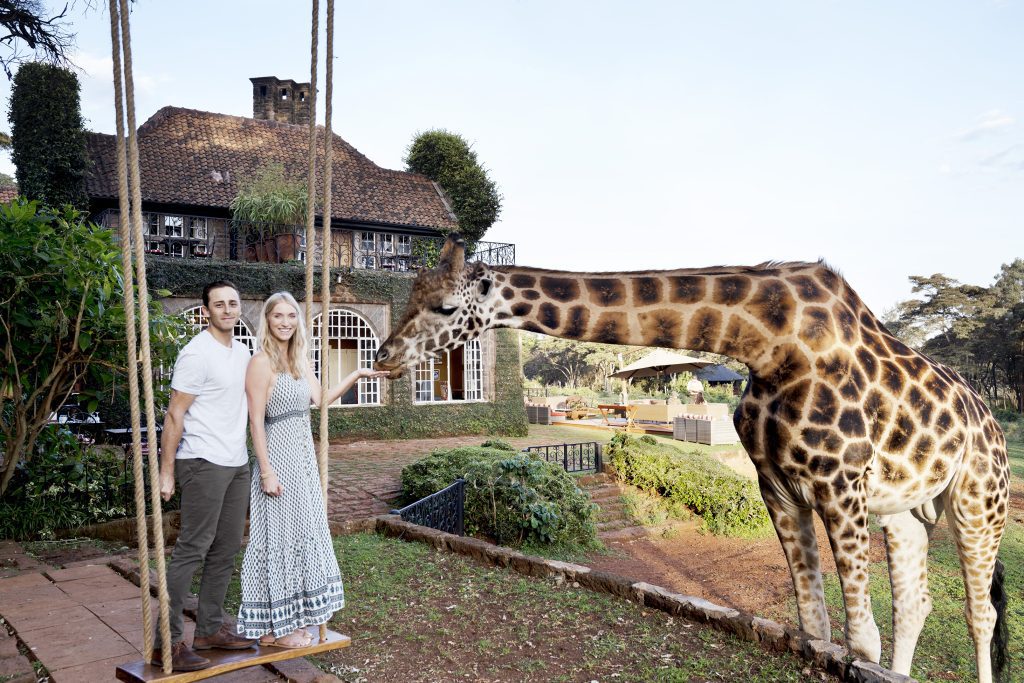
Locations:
(399, 418)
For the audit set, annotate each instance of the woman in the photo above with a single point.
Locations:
(290, 576)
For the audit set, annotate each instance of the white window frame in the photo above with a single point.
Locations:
(472, 377)
(344, 323)
(174, 226)
(197, 228)
(176, 250)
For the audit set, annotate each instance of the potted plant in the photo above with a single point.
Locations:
(264, 204)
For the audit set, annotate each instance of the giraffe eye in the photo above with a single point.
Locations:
(445, 310)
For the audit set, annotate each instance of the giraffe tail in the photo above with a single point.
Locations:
(1001, 637)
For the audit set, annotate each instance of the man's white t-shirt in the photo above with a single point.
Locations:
(214, 426)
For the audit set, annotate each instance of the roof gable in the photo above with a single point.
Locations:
(198, 158)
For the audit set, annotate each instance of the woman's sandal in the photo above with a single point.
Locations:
(276, 642)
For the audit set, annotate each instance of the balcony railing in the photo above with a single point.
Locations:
(193, 236)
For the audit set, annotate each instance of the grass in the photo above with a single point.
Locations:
(415, 614)
(418, 615)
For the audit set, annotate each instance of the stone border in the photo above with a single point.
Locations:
(769, 634)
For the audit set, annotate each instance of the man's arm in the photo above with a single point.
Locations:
(174, 425)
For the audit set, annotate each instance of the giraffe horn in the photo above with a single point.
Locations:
(453, 256)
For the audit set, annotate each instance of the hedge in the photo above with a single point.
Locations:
(728, 504)
(512, 497)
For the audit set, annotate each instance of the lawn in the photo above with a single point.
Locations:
(415, 614)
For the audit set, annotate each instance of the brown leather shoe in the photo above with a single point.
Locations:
(224, 639)
(182, 658)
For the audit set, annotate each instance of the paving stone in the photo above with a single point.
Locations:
(15, 667)
(19, 583)
(83, 571)
(45, 617)
(302, 671)
(103, 588)
(38, 594)
(91, 672)
(79, 642)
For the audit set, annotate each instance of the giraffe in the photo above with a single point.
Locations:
(839, 417)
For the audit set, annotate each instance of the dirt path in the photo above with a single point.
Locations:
(746, 574)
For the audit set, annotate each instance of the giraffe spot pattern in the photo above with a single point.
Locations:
(686, 289)
(606, 291)
(660, 327)
(731, 289)
(548, 315)
(704, 328)
(521, 281)
(741, 339)
(647, 290)
(610, 328)
(560, 288)
(576, 322)
(773, 305)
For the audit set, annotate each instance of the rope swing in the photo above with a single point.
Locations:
(137, 337)
(130, 225)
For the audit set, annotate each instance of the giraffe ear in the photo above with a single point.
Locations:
(453, 257)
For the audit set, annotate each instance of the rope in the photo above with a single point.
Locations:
(133, 219)
(141, 533)
(311, 181)
(325, 290)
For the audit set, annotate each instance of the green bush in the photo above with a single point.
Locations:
(728, 503)
(721, 393)
(513, 498)
(499, 444)
(66, 485)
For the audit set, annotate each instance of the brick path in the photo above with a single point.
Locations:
(366, 476)
(84, 620)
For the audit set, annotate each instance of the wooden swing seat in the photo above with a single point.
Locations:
(230, 660)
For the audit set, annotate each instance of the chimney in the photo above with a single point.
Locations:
(284, 101)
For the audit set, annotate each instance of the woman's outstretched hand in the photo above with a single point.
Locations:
(370, 373)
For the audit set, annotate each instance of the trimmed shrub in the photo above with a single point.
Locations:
(728, 503)
(499, 444)
(514, 498)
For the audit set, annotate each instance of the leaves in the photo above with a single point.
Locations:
(448, 159)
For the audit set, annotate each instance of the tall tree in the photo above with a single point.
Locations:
(447, 159)
(61, 321)
(27, 26)
(47, 134)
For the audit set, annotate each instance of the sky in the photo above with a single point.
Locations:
(886, 138)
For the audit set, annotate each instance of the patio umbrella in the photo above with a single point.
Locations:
(659, 363)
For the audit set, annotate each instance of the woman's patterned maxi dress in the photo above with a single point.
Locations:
(290, 575)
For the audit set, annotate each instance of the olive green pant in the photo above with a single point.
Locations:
(214, 503)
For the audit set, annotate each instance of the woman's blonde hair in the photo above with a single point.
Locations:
(293, 361)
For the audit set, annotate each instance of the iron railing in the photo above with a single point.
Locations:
(444, 510)
(573, 457)
(196, 236)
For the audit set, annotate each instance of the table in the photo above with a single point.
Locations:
(628, 410)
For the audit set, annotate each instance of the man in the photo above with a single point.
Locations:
(204, 451)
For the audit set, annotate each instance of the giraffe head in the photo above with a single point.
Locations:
(449, 305)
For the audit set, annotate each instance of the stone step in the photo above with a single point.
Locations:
(605, 492)
(591, 480)
(612, 525)
(624, 534)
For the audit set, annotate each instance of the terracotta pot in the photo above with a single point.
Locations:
(250, 253)
(269, 245)
(285, 246)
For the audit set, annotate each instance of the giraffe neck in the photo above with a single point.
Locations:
(745, 313)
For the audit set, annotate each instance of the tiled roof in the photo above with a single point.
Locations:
(7, 193)
(197, 158)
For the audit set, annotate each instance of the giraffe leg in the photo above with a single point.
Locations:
(846, 522)
(795, 528)
(906, 543)
(977, 542)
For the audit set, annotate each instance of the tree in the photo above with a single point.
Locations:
(48, 138)
(24, 22)
(447, 159)
(61, 321)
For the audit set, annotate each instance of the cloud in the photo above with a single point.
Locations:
(993, 122)
(94, 66)
(1010, 159)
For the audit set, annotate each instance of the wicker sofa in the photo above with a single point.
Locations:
(661, 412)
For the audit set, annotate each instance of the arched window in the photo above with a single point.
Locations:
(351, 344)
(456, 375)
(197, 321)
